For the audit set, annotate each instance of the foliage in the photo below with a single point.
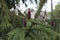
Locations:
(40, 7)
(16, 34)
(56, 18)
(12, 28)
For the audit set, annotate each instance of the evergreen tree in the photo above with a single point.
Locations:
(12, 28)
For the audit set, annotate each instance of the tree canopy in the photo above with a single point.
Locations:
(19, 27)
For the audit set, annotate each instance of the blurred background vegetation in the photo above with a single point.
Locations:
(23, 27)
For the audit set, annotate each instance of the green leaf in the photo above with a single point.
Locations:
(42, 2)
(17, 34)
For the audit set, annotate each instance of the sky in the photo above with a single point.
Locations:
(47, 6)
